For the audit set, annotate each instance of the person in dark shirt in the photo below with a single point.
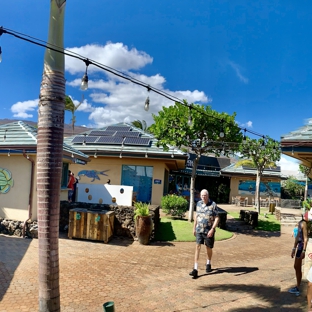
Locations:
(204, 229)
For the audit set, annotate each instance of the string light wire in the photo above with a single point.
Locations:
(111, 70)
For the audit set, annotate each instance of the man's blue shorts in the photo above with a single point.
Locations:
(201, 238)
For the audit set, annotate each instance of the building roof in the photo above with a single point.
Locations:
(19, 137)
(124, 140)
(232, 170)
(298, 144)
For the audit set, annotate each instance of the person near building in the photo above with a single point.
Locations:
(205, 223)
(298, 252)
(70, 186)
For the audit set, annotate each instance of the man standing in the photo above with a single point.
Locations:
(298, 252)
(204, 229)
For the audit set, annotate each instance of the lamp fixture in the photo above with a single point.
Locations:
(84, 140)
(4, 136)
(146, 156)
(95, 155)
(9, 154)
(146, 105)
(72, 155)
(221, 130)
(85, 79)
(27, 156)
(292, 151)
(120, 155)
(0, 55)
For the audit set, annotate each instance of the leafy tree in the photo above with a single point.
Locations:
(291, 188)
(306, 171)
(196, 127)
(259, 154)
(70, 106)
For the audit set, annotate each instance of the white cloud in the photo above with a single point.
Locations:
(112, 99)
(21, 109)
(247, 124)
(289, 166)
(238, 70)
(115, 55)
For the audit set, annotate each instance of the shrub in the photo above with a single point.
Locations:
(174, 205)
(141, 209)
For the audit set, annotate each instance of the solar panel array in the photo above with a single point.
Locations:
(102, 133)
(113, 135)
(116, 128)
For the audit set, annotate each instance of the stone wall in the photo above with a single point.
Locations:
(291, 203)
(123, 221)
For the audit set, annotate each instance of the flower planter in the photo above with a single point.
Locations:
(143, 227)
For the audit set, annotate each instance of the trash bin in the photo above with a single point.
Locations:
(109, 306)
(272, 207)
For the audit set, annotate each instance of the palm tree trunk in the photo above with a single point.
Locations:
(257, 193)
(49, 161)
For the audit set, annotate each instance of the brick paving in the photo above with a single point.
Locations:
(251, 272)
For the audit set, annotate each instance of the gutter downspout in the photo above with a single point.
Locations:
(30, 192)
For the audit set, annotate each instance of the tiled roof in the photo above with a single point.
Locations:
(303, 133)
(115, 147)
(18, 136)
(247, 171)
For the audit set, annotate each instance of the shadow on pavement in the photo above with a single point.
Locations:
(272, 297)
(237, 270)
(12, 252)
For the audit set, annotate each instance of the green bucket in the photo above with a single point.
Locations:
(109, 306)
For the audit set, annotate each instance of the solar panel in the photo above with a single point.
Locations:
(102, 133)
(132, 134)
(109, 140)
(86, 139)
(137, 141)
(116, 128)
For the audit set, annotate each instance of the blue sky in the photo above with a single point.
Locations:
(248, 57)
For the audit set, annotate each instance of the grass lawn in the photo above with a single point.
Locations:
(180, 230)
(268, 223)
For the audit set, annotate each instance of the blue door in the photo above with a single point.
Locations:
(140, 177)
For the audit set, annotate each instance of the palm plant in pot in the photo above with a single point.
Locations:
(143, 222)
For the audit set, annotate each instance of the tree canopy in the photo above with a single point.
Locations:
(199, 129)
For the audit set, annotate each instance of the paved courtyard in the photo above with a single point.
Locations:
(251, 272)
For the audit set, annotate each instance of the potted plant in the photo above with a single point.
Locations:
(143, 222)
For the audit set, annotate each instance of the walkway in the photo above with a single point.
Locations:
(252, 272)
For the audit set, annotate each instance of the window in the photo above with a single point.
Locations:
(141, 178)
(64, 175)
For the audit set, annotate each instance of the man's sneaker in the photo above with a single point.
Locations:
(294, 290)
(208, 268)
(194, 273)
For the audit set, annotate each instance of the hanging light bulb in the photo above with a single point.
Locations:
(95, 155)
(221, 130)
(120, 155)
(85, 79)
(0, 55)
(4, 137)
(172, 155)
(9, 154)
(190, 122)
(292, 151)
(146, 156)
(263, 144)
(147, 102)
(73, 155)
(27, 156)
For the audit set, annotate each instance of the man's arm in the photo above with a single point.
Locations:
(305, 238)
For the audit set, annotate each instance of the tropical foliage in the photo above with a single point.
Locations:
(259, 154)
(70, 106)
(140, 125)
(141, 209)
(306, 171)
(174, 205)
(199, 129)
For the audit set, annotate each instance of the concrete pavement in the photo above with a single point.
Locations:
(251, 272)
